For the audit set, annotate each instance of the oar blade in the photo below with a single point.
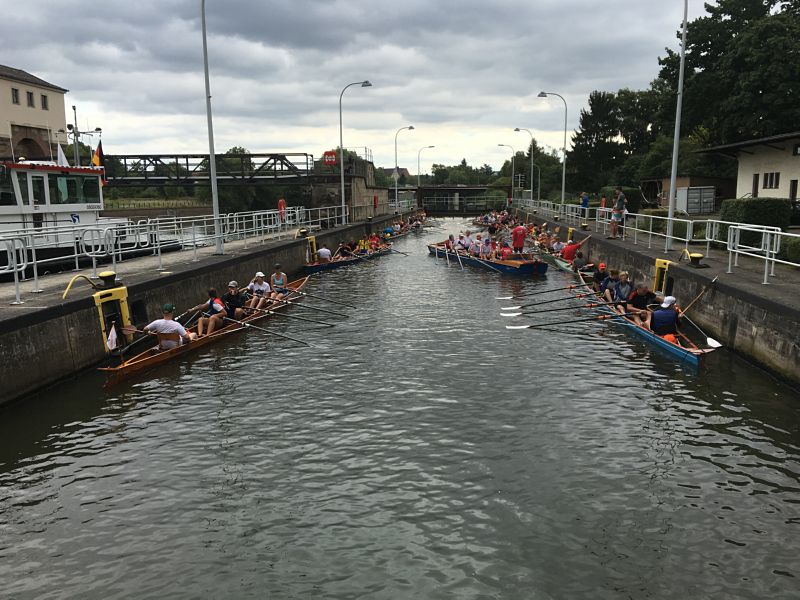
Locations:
(713, 343)
(516, 314)
(518, 326)
(511, 308)
(504, 297)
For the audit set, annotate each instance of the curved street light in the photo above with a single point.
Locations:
(418, 153)
(364, 83)
(513, 154)
(532, 165)
(396, 170)
(564, 149)
(673, 177)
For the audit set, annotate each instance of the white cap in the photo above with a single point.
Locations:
(668, 301)
(259, 274)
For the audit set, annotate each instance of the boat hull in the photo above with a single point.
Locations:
(521, 267)
(317, 267)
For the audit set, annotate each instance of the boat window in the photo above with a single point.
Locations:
(22, 181)
(74, 189)
(7, 197)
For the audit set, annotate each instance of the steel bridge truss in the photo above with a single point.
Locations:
(173, 170)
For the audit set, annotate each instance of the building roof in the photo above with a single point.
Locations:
(25, 77)
(389, 170)
(765, 141)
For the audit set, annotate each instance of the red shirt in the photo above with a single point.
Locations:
(518, 236)
(568, 253)
(506, 252)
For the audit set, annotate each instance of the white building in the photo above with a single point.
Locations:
(31, 113)
(768, 167)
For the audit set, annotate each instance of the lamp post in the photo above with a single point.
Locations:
(76, 136)
(212, 157)
(418, 153)
(396, 171)
(530, 134)
(513, 154)
(364, 83)
(676, 138)
(564, 149)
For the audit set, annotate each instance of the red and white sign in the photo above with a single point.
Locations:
(329, 158)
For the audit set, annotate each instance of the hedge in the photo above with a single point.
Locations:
(776, 212)
(678, 228)
(791, 249)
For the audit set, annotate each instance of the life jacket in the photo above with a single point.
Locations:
(212, 310)
(664, 321)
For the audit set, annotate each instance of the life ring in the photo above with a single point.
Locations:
(282, 209)
(375, 202)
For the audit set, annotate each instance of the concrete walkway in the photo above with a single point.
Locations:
(131, 270)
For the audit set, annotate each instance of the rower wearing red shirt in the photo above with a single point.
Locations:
(505, 252)
(568, 253)
(518, 237)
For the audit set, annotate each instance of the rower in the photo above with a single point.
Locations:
(324, 254)
(171, 334)
(639, 303)
(518, 235)
(260, 291)
(278, 280)
(214, 309)
(666, 320)
(234, 301)
(571, 249)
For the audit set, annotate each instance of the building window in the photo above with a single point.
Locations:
(30, 99)
(772, 181)
(14, 96)
(45, 104)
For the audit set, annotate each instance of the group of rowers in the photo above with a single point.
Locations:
(236, 304)
(659, 314)
(352, 248)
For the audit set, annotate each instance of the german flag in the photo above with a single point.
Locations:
(98, 159)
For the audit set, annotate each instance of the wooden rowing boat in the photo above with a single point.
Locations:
(523, 266)
(687, 351)
(344, 261)
(154, 356)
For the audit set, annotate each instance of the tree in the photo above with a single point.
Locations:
(596, 149)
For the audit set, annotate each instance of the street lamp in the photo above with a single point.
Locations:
(530, 134)
(396, 170)
(212, 157)
(76, 136)
(364, 83)
(418, 153)
(564, 149)
(673, 177)
(513, 154)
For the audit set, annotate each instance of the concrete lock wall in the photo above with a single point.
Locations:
(60, 341)
(762, 331)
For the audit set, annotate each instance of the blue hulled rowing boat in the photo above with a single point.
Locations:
(516, 266)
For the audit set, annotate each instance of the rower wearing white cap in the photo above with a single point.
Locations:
(666, 320)
(260, 291)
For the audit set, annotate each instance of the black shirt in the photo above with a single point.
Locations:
(232, 302)
(641, 301)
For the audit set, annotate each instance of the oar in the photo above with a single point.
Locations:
(288, 316)
(700, 295)
(246, 324)
(325, 310)
(131, 329)
(398, 251)
(709, 340)
(538, 312)
(548, 301)
(569, 287)
(550, 323)
(323, 298)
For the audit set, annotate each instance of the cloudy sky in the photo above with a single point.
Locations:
(464, 73)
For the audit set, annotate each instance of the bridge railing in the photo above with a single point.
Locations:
(466, 204)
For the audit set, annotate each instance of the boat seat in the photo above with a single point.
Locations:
(168, 337)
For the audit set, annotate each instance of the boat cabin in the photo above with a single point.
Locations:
(36, 195)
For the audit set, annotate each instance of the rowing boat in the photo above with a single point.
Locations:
(154, 356)
(344, 261)
(516, 266)
(687, 351)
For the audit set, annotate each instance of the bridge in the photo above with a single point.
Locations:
(449, 200)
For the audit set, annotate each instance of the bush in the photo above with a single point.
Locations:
(792, 250)
(659, 226)
(776, 212)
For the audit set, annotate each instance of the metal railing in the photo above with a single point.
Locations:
(466, 204)
(119, 239)
(768, 250)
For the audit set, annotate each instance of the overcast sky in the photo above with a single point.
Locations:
(465, 73)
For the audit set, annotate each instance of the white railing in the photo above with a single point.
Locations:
(118, 240)
(768, 250)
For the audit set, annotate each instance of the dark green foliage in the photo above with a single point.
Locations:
(792, 250)
(759, 211)
(632, 194)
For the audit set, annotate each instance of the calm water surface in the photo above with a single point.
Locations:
(419, 450)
